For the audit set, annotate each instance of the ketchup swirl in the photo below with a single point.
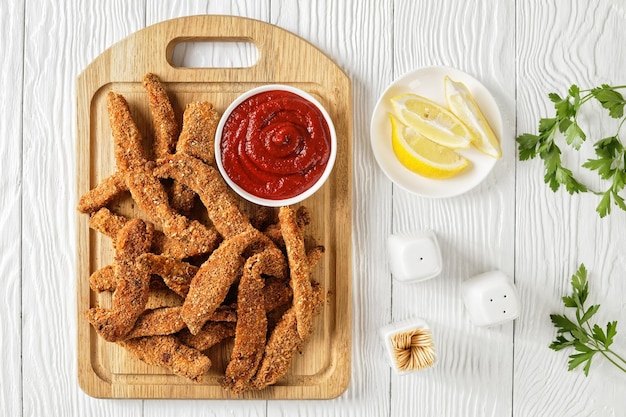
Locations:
(275, 145)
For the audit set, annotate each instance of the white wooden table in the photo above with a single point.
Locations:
(520, 50)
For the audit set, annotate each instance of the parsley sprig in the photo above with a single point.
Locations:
(610, 152)
(586, 339)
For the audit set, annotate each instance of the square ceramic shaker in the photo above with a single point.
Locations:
(414, 257)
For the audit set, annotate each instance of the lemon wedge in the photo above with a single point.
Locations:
(432, 120)
(463, 105)
(423, 156)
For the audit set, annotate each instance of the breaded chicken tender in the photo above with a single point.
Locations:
(299, 269)
(170, 353)
(131, 287)
(282, 344)
(176, 274)
(251, 317)
(212, 333)
(210, 285)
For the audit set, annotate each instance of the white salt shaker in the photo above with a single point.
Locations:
(414, 257)
(490, 299)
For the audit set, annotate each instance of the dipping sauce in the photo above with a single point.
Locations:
(275, 145)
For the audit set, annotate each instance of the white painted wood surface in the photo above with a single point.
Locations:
(519, 49)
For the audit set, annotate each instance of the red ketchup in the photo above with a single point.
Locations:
(275, 145)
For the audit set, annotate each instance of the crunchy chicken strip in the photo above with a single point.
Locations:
(163, 297)
(132, 285)
(273, 233)
(166, 137)
(225, 313)
(150, 196)
(197, 137)
(107, 222)
(277, 292)
(251, 318)
(160, 298)
(110, 224)
(129, 152)
(146, 189)
(210, 285)
(303, 218)
(157, 322)
(210, 335)
(176, 274)
(314, 256)
(262, 217)
(103, 279)
(299, 269)
(126, 133)
(162, 244)
(283, 344)
(181, 197)
(208, 184)
(109, 189)
(163, 117)
(169, 352)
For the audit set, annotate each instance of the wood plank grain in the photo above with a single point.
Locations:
(560, 44)
(473, 373)
(60, 38)
(357, 37)
(11, 95)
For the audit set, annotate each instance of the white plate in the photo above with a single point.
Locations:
(429, 82)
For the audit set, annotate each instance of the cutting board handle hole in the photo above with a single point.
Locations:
(214, 54)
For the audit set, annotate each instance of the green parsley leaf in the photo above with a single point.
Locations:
(619, 201)
(611, 145)
(569, 301)
(589, 313)
(619, 180)
(563, 324)
(611, 331)
(578, 359)
(564, 125)
(581, 347)
(563, 107)
(610, 161)
(602, 165)
(580, 284)
(604, 207)
(574, 92)
(574, 135)
(587, 367)
(546, 126)
(610, 99)
(527, 146)
(565, 177)
(587, 339)
(561, 342)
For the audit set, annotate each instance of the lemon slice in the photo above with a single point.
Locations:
(422, 155)
(432, 120)
(463, 105)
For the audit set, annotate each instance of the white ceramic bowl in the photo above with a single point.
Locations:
(266, 201)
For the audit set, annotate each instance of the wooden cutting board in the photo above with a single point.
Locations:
(322, 370)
